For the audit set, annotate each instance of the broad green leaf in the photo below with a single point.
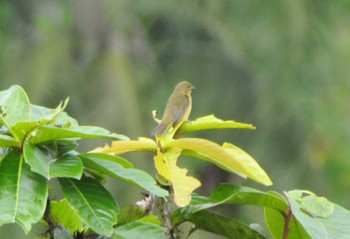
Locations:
(182, 185)
(221, 225)
(320, 219)
(130, 213)
(317, 206)
(46, 134)
(23, 129)
(63, 146)
(55, 116)
(49, 166)
(151, 219)
(8, 141)
(93, 203)
(46, 115)
(142, 228)
(211, 122)
(130, 175)
(235, 194)
(23, 193)
(67, 165)
(28, 128)
(338, 223)
(121, 147)
(64, 214)
(227, 157)
(14, 105)
(275, 221)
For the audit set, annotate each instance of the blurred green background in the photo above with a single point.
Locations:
(281, 65)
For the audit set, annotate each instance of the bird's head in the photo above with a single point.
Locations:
(184, 87)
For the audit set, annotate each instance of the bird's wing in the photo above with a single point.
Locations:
(180, 110)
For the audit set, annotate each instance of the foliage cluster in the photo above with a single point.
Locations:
(38, 144)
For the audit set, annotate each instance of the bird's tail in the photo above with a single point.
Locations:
(160, 129)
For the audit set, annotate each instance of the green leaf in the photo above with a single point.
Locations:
(7, 141)
(234, 194)
(46, 164)
(23, 129)
(275, 221)
(63, 146)
(15, 106)
(211, 122)
(56, 116)
(47, 133)
(152, 219)
(27, 128)
(130, 213)
(133, 176)
(317, 206)
(94, 205)
(221, 225)
(227, 157)
(46, 115)
(326, 221)
(64, 214)
(23, 193)
(142, 228)
(67, 165)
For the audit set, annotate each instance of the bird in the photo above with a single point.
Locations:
(178, 108)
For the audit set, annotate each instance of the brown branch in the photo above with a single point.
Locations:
(287, 218)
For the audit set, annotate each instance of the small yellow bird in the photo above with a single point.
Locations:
(178, 108)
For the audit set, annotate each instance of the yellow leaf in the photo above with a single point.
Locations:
(227, 157)
(182, 185)
(124, 146)
(211, 122)
(252, 168)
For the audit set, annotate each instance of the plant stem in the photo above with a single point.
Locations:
(166, 215)
(164, 208)
(287, 218)
(48, 218)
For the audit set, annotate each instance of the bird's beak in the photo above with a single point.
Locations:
(192, 87)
